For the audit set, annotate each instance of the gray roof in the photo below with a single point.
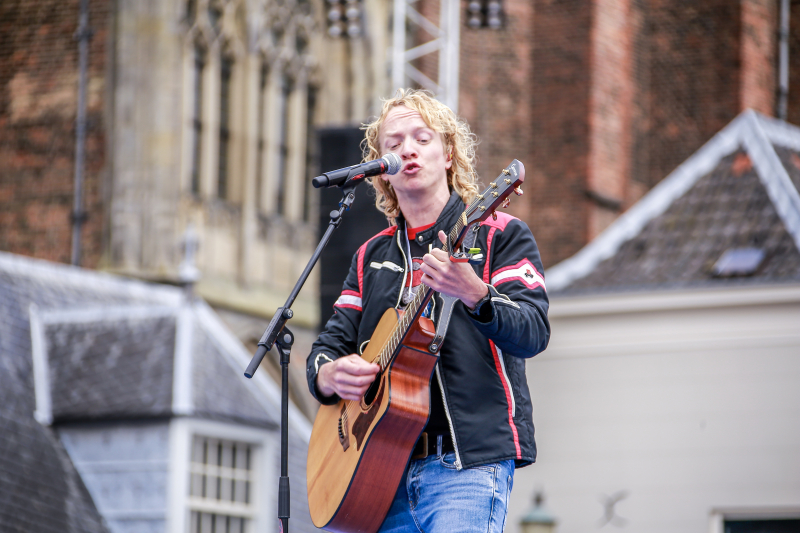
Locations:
(739, 191)
(78, 345)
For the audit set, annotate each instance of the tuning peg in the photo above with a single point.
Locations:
(506, 202)
(494, 215)
(518, 191)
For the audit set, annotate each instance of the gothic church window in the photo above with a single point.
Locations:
(196, 132)
(247, 105)
(283, 143)
(311, 153)
(485, 14)
(261, 125)
(226, 72)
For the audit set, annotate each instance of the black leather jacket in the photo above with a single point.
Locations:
(481, 368)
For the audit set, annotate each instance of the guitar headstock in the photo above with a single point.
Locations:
(497, 193)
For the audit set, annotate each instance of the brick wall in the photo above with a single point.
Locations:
(38, 106)
(693, 71)
(495, 91)
(524, 89)
(759, 49)
(602, 100)
(610, 113)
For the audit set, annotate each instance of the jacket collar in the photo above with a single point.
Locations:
(447, 219)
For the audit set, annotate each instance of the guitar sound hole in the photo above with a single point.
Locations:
(372, 391)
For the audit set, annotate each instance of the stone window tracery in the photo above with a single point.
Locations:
(226, 72)
(248, 98)
(196, 132)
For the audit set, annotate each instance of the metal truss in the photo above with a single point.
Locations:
(445, 43)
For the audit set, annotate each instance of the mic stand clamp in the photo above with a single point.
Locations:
(278, 333)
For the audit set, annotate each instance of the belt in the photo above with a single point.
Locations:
(427, 444)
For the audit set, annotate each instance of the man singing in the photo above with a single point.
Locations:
(480, 427)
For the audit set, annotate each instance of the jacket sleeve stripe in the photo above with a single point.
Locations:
(509, 396)
(523, 271)
(349, 299)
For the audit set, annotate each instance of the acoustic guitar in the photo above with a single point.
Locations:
(359, 449)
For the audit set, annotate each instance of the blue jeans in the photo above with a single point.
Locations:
(436, 497)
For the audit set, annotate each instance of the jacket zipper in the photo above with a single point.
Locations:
(449, 419)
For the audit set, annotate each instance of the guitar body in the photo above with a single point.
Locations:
(358, 452)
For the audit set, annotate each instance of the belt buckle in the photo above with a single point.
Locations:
(423, 438)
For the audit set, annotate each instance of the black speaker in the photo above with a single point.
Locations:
(339, 148)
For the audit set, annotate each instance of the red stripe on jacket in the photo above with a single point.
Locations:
(499, 367)
(362, 250)
(502, 221)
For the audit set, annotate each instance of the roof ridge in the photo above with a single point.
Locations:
(771, 172)
(237, 356)
(30, 267)
(778, 131)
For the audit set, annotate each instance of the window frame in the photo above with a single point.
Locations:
(719, 516)
(263, 490)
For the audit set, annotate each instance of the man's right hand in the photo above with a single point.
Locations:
(349, 377)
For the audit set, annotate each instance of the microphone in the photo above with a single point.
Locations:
(388, 164)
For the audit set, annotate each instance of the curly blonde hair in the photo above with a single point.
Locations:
(458, 140)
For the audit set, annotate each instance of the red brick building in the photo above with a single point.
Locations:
(38, 107)
(601, 100)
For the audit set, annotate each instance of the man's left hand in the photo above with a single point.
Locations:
(453, 279)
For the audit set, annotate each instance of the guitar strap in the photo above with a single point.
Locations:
(448, 302)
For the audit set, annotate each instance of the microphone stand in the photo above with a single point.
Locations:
(278, 333)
